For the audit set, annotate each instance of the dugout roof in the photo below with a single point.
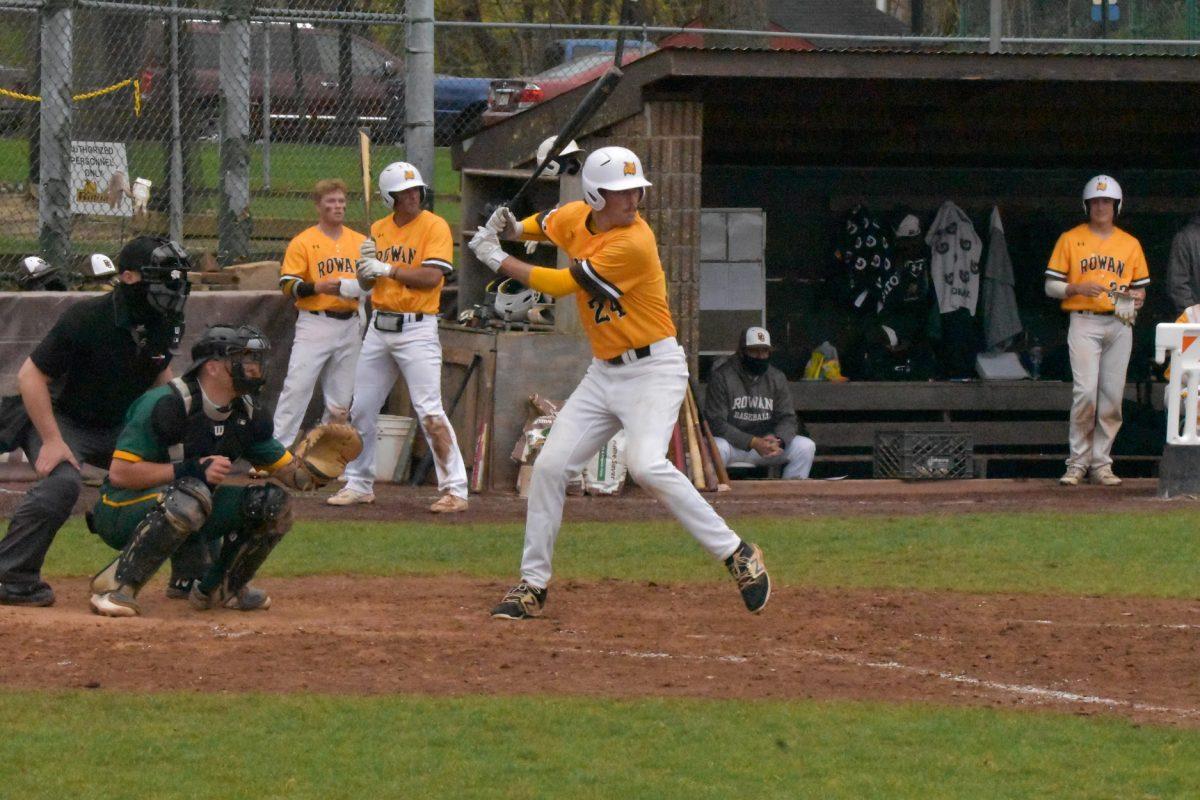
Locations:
(889, 108)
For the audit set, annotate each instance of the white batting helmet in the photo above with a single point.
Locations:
(1102, 186)
(396, 177)
(514, 299)
(612, 168)
(555, 166)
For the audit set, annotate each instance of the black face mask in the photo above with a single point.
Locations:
(134, 297)
(755, 366)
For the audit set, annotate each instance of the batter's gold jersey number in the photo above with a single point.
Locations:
(597, 305)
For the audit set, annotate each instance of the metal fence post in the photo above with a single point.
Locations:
(418, 89)
(266, 108)
(175, 179)
(233, 221)
(54, 199)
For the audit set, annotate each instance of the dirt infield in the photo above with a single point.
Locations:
(1130, 657)
(1133, 658)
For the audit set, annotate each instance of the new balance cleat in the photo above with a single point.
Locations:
(522, 602)
(748, 569)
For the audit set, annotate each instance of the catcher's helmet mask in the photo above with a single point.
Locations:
(239, 345)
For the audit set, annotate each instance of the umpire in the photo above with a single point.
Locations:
(75, 388)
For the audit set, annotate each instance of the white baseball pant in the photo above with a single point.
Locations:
(416, 353)
(643, 397)
(1100, 347)
(796, 458)
(324, 348)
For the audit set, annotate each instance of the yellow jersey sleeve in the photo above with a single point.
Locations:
(295, 268)
(531, 228)
(1140, 274)
(1059, 267)
(439, 246)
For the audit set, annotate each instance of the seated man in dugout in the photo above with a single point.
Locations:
(749, 407)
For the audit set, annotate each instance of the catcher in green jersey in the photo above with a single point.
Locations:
(166, 485)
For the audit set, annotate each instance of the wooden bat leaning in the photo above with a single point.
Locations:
(364, 162)
(693, 445)
(718, 462)
(706, 462)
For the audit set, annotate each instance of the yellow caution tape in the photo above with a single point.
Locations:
(137, 94)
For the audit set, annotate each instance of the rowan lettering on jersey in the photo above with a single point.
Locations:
(425, 241)
(313, 256)
(1115, 262)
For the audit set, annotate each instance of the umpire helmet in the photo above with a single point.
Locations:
(164, 266)
(241, 344)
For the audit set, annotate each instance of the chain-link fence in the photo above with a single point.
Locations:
(210, 120)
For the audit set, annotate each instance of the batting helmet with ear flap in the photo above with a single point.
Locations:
(566, 161)
(36, 275)
(612, 168)
(1103, 186)
(514, 299)
(397, 177)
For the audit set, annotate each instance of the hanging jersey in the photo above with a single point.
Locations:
(423, 242)
(312, 256)
(1116, 264)
(623, 301)
(169, 424)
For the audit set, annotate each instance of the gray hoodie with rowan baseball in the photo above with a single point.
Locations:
(740, 406)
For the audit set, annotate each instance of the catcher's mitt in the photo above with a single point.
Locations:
(327, 449)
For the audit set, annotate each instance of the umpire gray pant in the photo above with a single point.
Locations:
(49, 502)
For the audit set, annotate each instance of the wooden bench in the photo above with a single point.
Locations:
(1010, 422)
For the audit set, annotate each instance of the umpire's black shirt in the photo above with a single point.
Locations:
(102, 359)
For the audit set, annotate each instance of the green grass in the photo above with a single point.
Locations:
(254, 746)
(1100, 554)
(294, 168)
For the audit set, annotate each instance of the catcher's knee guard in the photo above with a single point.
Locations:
(181, 510)
(266, 517)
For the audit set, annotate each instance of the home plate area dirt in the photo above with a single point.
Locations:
(345, 635)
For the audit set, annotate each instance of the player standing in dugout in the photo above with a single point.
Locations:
(1099, 273)
(318, 270)
(637, 378)
(404, 264)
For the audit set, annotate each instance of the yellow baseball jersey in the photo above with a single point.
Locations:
(424, 242)
(1116, 263)
(623, 289)
(312, 256)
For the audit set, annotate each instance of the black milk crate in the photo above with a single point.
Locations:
(923, 455)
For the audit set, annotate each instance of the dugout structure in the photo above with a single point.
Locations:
(806, 135)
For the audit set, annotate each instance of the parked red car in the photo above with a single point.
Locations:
(510, 95)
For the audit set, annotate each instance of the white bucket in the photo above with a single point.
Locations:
(393, 446)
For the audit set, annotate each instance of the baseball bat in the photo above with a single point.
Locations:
(364, 162)
(706, 464)
(677, 449)
(718, 462)
(689, 433)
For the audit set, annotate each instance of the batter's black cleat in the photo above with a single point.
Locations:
(38, 593)
(522, 602)
(747, 568)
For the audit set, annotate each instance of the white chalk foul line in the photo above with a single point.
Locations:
(1168, 626)
(1025, 690)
